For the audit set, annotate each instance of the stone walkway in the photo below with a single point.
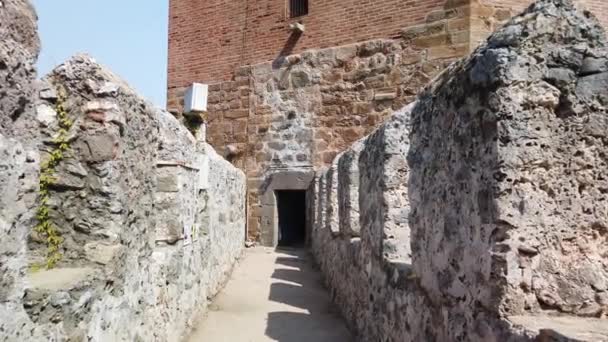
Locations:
(273, 296)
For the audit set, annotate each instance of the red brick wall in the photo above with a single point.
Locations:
(205, 39)
(208, 39)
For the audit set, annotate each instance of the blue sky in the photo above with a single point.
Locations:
(128, 36)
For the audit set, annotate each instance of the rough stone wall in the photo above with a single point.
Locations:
(523, 120)
(488, 15)
(19, 47)
(597, 7)
(502, 226)
(360, 235)
(152, 221)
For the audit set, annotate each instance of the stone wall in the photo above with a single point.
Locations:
(151, 221)
(481, 207)
(599, 8)
(360, 235)
(523, 119)
(19, 47)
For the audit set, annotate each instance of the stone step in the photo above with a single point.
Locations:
(59, 278)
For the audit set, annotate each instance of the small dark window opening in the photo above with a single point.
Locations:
(298, 8)
(292, 217)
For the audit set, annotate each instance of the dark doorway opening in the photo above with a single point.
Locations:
(292, 217)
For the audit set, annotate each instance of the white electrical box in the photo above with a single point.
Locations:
(195, 99)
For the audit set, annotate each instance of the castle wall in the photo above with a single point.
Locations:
(597, 7)
(361, 236)
(19, 48)
(477, 213)
(131, 225)
(489, 15)
(151, 221)
(481, 213)
(299, 112)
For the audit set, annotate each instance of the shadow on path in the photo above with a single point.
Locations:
(272, 295)
(297, 284)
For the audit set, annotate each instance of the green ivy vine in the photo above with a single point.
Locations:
(45, 226)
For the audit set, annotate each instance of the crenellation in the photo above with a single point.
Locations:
(479, 170)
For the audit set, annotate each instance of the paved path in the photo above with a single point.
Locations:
(273, 296)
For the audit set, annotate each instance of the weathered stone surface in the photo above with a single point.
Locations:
(530, 167)
(59, 279)
(368, 265)
(168, 181)
(593, 65)
(101, 253)
(121, 277)
(499, 210)
(300, 79)
(566, 329)
(48, 93)
(593, 87)
(143, 217)
(18, 52)
(46, 115)
(235, 114)
(498, 213)
(98, 148)
(19, 47)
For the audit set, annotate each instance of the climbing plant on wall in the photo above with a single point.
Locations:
(45, 227)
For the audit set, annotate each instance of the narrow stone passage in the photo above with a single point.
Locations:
(273, 296)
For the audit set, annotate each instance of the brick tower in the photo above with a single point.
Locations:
(294, 82)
